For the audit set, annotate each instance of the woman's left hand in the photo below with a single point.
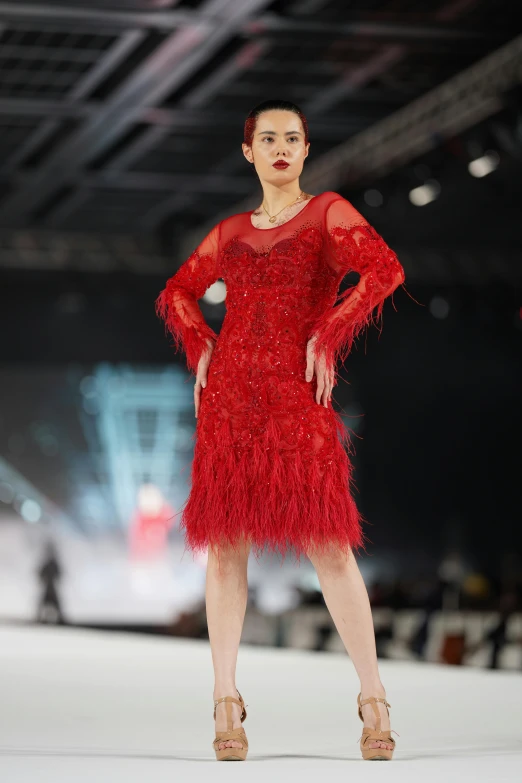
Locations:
(325, 376)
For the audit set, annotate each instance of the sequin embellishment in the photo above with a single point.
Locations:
(270, 464)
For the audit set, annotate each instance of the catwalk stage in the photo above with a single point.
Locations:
(84, 706)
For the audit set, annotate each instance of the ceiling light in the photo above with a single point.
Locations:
(484, 165)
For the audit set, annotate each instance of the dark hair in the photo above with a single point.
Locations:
(251, 120)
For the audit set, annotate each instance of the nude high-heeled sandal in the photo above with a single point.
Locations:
(231, 754)
(370, 735)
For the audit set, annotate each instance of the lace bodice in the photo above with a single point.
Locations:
(282, 285)
(269, 461)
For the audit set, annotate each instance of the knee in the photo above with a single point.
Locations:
(227, 560)
(333, 563)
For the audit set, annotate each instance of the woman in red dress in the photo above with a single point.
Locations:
(271, 469)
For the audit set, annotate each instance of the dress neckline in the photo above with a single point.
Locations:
(272, 228)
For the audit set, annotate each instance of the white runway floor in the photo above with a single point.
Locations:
(85, 706)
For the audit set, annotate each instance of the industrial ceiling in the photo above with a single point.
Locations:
(121, 121)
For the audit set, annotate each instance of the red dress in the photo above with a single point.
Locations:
(270, 463)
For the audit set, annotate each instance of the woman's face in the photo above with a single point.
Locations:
(278, 135)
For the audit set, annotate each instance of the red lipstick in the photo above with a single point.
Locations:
(280, 164)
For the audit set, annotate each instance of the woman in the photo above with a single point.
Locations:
(270, 470)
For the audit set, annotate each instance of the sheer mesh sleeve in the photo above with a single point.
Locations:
(353, 245)
(177, 303)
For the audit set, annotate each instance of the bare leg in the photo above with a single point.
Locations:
(347, 600)
(226, 599)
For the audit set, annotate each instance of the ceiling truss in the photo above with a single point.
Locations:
(133, 116)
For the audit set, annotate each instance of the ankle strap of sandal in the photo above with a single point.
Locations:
(373, 701)
(227, 700)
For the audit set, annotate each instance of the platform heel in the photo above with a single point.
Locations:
(231, 754)
(370, 735)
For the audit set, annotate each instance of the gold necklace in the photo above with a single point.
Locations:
(272, 218)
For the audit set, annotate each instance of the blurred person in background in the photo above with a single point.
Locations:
(269, 469)
(49, 574)
(150, 524)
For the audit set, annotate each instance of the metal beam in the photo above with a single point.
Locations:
(182, 118)
(117, 52)
(38, 52)
(244, 58)
(138, 180)
(196, 98)
(114, 179)
(113, 57)
(266, 23)
(45, 107)
(67, 207)
(139, 147)
(379, 63)
(285, 26)
(353, 80)
(169, 66)
(44, 131)
(97, 18)
(450, 108)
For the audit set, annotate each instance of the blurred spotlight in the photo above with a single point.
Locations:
(216, 293)
(484, 165)
(439, 307)
(30, 510)
(373, 197)
(425, 193)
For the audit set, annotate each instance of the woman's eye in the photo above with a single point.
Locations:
(271, 138)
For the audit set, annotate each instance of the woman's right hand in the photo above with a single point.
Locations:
(316, 364)
(201, 375)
